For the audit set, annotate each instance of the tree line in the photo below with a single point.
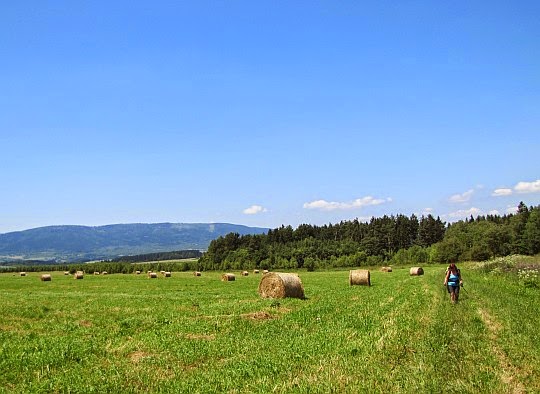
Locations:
(391, 239)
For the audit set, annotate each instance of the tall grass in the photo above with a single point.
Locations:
(129, 334)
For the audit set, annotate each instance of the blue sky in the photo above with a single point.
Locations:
(266, 112)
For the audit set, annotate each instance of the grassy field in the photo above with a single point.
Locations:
(131, 334)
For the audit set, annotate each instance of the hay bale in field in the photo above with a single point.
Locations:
(197, 273)
(66, 272)
(23, 274)
(228, 277)
(96, 272)
(137, 272)
(415, 271)
(152, 275)
(359, 278)
(78, 275)
(245, 273)
(167, 274)
(265, 271)
(255, 271)
(386, 269)
(281, 285)
(104, 273)
(46, 277)
(162, 272)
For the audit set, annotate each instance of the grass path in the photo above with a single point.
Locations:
(129, 334)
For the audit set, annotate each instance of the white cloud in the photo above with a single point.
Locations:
(324, 205)
(494, 212)
(254, 209)
(463, 213)
(463, 197)
(501, 192)
(528, 187)
(511, 209)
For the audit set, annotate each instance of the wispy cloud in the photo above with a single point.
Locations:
(520, 187)
(528, 187)
(324, 205)
(463, 213)
(463, 197)
(502, 192)
(254, 209)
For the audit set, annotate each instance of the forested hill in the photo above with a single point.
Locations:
(389, 239)
(80, 243)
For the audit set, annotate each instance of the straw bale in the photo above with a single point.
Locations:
(152, 275)
(197, 273)
(96, 272)
(104, 273)
(245, 273)
(417, 271)
(228, 277)
(265, 271)
(78, 275)
(359, 277)
(46, 278)
(255, 271)
(386, 269)
(23, 273)
(281, 285)
(137, 272)
(167, 274)
(66, 272)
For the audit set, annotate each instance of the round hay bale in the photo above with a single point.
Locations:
(78, 275)
(386, 269)
(417, 271)
(104, 273)
(245, 273)
(197, 273)
(162, 272)
(46, 278)
(23, 273)
(66, 272)
(228, 277)
(281, 285)
(152, 275)
(96, 273)
(167, 274)
(137, 272)
(359, 277)
(265, 271)
(255, 271)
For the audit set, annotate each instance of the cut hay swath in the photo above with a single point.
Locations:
(386, 269)
(359, 277)
(415, 271)
(46, 277)
(197, 273)
(228, 277)
(281, 285)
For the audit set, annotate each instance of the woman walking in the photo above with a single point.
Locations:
(453, 282)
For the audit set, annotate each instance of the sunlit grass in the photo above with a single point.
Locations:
(128, 333)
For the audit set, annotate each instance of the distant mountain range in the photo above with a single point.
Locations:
(80, 243)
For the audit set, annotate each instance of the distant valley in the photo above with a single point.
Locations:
(83, 243)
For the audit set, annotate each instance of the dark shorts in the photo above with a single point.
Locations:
(453, 289)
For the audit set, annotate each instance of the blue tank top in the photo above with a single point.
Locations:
(453, 280)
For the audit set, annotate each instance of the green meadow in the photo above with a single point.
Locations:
(130, 334)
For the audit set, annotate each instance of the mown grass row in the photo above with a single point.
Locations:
(130, 334)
